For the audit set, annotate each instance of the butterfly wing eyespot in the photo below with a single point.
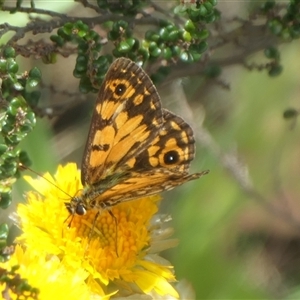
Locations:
(171, 157)
(120, 89)
(172, 149)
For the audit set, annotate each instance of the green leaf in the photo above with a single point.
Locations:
(4, 231)
(151, 35)
(18, 86)
(144, 53)
(11, 65)
(184, 56)
(68, 28)
(186, 36)
(32, 82)
(3, 148)
(203, 10)
(33, 98)
(275, 70)
(35, 73)
(123, 47)
(30, 116)
(189, 26)
(272, 53)
(167, 53)
(9, 52)
(57, 39)
(5, 200)
(2, 64)
(275, 26)
(173, 35)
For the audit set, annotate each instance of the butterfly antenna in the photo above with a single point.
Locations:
(40, 175)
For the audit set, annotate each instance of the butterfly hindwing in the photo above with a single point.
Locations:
(151, 183)
(173, 148)
(161, 166)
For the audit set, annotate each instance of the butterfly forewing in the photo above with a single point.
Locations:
(126, 118)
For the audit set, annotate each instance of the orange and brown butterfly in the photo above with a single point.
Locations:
(135, 147)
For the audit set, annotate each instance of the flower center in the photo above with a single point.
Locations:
(112, 240)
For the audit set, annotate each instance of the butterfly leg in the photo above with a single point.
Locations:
(93, 225)
(116, 224)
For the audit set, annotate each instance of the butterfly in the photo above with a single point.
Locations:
(134, 148)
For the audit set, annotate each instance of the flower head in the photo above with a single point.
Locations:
(109, 252)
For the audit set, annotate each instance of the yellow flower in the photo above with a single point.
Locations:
(104, 253)
(53, 279)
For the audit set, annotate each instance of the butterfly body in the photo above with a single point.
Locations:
(134, 147)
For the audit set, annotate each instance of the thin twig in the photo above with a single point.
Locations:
(41, 26)
(85, 3)
(30, 10)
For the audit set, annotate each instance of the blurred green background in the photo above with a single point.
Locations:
(232, 245)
